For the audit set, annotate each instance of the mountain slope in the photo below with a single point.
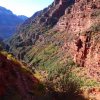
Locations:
(64, 41)
(22, 17)
(17, 82)
(8, 22)
(79, 20)
(1, 44)
(38, 24)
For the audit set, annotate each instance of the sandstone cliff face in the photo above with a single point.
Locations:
(78, 17)
(80, 20)
(86, 51)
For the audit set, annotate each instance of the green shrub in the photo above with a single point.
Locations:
(95, 28)
(95, 13)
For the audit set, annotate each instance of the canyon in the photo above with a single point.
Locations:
(62, 43)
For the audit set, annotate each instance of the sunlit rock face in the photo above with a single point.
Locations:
(81, 23)
(78, 17)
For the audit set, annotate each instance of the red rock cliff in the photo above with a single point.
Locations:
(81, 22)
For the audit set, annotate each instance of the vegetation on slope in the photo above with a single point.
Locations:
(16, 81)
(60, 73)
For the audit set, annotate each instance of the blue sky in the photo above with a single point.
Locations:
(25, 7)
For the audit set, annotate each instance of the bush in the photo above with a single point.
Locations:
(95, 13)
(95, 28)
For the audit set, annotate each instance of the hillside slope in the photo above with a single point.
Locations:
(9, 22)
(30, 31)
(63, 41)
(16, 82)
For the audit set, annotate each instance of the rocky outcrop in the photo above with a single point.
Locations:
(80, 21)
(78, 17)
(83, 46)
(85, 52)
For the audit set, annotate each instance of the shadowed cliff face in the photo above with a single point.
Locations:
(16, 82)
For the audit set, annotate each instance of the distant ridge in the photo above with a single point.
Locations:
(9, 22)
